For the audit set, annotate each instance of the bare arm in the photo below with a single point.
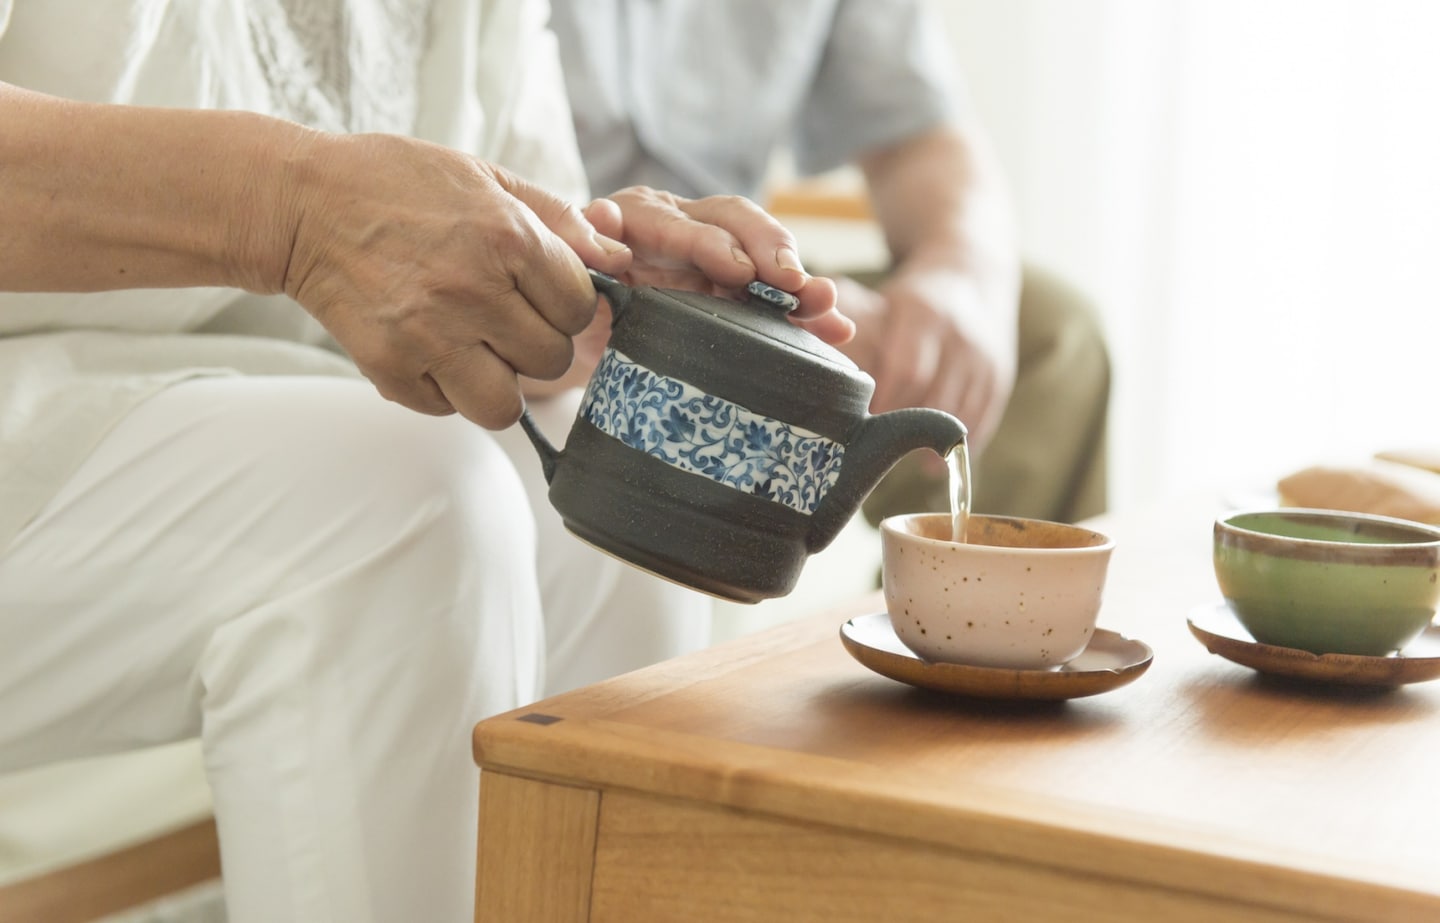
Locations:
(941, 331)
(99, 197)
(443, 277)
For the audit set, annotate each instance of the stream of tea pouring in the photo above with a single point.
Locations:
(958, 460)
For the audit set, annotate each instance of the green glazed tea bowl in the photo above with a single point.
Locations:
(1328, 582)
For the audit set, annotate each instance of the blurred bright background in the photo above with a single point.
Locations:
(1250, 190)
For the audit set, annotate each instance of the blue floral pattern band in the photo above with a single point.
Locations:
(706, 435)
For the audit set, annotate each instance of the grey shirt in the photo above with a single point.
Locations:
(696, 96)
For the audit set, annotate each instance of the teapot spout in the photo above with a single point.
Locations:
(873, 448)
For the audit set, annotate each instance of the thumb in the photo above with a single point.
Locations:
(569, 224)
(819, 314)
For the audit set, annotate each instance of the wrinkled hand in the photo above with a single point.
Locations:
(589, 349)
(718, 244)
(443, 277)
(929, 340)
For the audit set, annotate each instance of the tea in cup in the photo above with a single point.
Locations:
(1019, 594)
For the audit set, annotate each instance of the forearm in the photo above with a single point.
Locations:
(942, 205)
(102, 197)
(943, 325)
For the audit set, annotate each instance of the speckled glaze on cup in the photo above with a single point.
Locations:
(1328, 582)
(1019, 594)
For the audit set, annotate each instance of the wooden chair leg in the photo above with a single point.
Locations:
(118, 881)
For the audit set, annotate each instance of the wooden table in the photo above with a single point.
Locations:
(774, 778)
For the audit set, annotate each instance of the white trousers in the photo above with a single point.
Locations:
(601, 617)
(330, 591)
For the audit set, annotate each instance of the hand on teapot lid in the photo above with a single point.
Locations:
(718, 244)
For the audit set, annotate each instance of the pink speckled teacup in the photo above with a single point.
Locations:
(1018, 593)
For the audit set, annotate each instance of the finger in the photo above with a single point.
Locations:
(481, 386)
(980, 407)
(504, 320)
(546, 355)
(667, 236)
(909, 360)
(519, 333)
(902, 357)
(764, 241)
(604, 215)
(437, 400)
(397, 370)
(420, 394)
(819, 313)
(955, 389)
(832, 327)
(589, 348)
(540, 275)
(570, 224)
(545, 269)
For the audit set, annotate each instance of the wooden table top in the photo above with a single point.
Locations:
(1200, 775)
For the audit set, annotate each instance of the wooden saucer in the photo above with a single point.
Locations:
(1216, 627)
(1108, 662)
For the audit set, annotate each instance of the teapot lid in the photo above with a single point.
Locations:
(765, 312)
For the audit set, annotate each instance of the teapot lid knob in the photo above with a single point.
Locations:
(773, 296)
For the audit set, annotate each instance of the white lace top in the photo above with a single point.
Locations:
(478, 75)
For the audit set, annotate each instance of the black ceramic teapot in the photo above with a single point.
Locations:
(718, 444)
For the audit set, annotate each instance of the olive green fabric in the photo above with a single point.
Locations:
(1047, 459)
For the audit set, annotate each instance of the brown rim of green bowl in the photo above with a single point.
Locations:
(1399, 541)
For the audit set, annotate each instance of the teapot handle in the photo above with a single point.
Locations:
(618, 294)
(549, 455)
(615, 291)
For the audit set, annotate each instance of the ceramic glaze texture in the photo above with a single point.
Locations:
(709, 436)
(719, 445)
(1328, 582)
(1019, 594)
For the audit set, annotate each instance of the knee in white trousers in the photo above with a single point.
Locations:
(330, 589)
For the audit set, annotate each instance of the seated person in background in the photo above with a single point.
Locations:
(215, 229)
(696, 97)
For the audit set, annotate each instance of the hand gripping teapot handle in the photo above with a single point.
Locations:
(618, 294)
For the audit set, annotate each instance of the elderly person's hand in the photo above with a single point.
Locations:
(445, 278)
(457, 286)
(718, 244)
(929, 340)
